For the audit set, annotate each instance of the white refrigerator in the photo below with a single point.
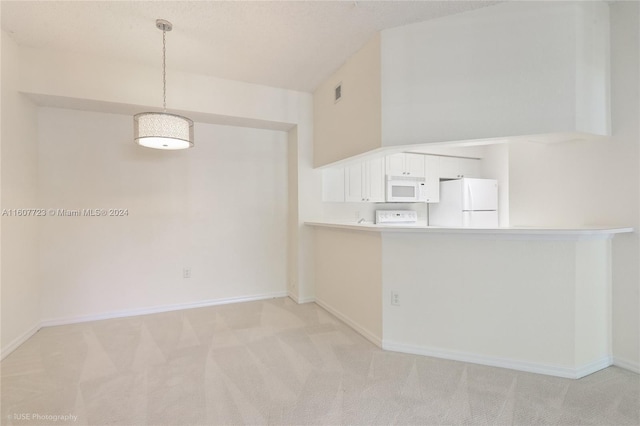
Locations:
(466, 203)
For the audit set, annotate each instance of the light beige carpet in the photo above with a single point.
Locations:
(276, 362)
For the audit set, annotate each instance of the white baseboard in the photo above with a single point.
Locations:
(130, 313)
(594, 366)
(361, 330)
(301, 300)
(626, 364)
(19, 340)
(530, 367)
(159, 309)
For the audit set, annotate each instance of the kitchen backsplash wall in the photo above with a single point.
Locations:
(352, 212)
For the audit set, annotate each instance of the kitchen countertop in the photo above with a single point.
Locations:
(577, 232)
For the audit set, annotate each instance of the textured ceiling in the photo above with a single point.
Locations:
(287, 44)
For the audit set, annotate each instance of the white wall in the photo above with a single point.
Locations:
(293, 244)
(90, 83)
(350, 126)
(595, 183)
(517, 68)
(309, 196)
(349, 278)
(118, 85)
(352, 212)
(19, 277)
(530, 304)
(220, 209)
(82, 82)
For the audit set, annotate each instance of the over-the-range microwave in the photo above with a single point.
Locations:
(405, 189)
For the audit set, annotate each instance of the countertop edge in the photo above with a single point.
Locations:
(576, 232)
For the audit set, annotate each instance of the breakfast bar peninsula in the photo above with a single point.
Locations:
(531, 299)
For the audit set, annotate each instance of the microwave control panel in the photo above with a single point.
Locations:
(396, 216)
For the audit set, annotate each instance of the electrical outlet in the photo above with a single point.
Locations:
(186, 272)
(357, 216)
(395, 298)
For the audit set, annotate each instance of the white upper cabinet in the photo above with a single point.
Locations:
(395, 165)
(432, 179)
(414, 163)
(405, 164)
(364, 182)
(374, 175)
(353, 179)
(456, 167)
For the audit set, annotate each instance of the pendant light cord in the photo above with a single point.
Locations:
(164, 70)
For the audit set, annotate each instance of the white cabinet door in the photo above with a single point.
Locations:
(414, 165)
(333, 188)
(395, 165)
(405, 164)
(432, 179)
(374, 180)
(353, 182)
(364, 182)
(456, 167)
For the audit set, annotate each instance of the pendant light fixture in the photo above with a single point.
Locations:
(162, 130)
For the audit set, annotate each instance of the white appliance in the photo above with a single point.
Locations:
(466, 203)
(404, 189)
(396, 217)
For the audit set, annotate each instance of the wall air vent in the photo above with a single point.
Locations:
(337, 93)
